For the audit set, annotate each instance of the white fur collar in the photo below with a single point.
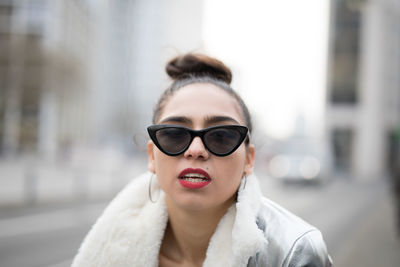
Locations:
(130, 230)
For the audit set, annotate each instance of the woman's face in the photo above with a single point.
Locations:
(198, 106)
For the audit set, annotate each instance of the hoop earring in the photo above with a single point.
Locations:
(245, 182)
(241, 188)
(150, 189)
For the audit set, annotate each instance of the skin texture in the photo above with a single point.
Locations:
(194, 214)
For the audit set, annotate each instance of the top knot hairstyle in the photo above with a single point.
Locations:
(198, 65)
(198, 68)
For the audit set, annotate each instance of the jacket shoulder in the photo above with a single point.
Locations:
(291, 241)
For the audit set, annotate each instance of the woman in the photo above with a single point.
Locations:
(200, 204)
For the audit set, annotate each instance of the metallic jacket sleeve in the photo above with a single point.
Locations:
(308, 250)
(289, 241)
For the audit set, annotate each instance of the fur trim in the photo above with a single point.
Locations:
(130, 230)
(247, 238)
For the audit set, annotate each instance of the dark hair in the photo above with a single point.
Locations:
(197, 68)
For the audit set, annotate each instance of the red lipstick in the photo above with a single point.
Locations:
(194, 178)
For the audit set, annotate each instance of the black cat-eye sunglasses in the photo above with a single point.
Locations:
(174, 140)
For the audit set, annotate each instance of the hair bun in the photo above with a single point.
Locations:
(188, 65)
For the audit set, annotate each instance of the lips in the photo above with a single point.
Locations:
(194, 178)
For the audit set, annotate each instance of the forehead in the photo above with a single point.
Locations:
(201, 100)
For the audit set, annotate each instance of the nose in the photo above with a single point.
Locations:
(197, 150)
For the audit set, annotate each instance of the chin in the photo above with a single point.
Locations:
(194, 202)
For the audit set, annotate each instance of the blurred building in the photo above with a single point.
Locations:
(86, 72)
(363, 109)
(43, 73)
(138, 37)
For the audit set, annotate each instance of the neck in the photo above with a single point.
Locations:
(188, 232)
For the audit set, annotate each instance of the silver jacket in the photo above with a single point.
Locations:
(290, 241)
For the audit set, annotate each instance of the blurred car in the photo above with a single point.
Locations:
(301, 160)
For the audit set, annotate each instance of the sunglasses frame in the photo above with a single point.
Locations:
(242, 130)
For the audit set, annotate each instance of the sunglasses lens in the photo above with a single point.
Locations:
(222, 140)
(173, 140)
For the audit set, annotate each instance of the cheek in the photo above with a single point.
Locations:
(165, 168)
(233, 166)
(162, 162)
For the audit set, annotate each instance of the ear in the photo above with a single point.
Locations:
(250, 156)
(150, 157)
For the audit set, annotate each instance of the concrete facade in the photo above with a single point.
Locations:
(376, 112)
(98, 69)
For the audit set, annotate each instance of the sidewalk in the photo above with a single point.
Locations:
(18, 211)
(45, 218)
(32, 181)
(375, 241)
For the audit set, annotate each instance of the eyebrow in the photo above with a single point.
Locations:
(207, 120)
(217, 119)
(176, 119)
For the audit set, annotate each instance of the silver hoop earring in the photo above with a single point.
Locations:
(150, 190)
(245, 182)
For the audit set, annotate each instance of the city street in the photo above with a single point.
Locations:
(356, 218)
(316, 83)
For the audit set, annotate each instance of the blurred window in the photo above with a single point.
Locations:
(393, 149)
(342, 148)
(6, 11)
(345, 60)
(29, 124)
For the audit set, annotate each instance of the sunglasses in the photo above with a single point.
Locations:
(174, 140)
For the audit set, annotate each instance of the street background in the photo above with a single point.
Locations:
(357, 218)
(79, 79)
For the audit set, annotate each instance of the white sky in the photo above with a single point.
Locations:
(277, 52)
